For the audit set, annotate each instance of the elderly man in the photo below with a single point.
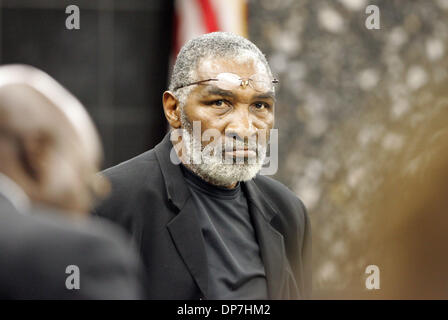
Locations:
(207, 225)
(49, 155)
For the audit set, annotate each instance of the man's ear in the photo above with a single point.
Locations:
(171, 109)
(34, 155)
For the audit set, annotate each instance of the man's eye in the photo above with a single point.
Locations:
(218, 103)
(261, 105)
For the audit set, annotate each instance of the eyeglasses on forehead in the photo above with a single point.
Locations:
(228, 81)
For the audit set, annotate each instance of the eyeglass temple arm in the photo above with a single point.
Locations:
(193, 83)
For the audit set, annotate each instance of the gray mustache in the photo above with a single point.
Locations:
(230, 144)
(234, 145)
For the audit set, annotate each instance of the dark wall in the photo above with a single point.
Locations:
(116, 63)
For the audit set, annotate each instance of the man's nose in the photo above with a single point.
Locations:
(241, 126)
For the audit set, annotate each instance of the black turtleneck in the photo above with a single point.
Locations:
(235, 268)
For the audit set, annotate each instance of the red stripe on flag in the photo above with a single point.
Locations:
(176, 33)
(208, 16)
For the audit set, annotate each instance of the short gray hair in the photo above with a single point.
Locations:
(216, 44)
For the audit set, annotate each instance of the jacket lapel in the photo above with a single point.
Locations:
(187, 236)
(184, 227)
(271, 242)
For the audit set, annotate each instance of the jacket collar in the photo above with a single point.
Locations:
(260, 200)
(177, 192)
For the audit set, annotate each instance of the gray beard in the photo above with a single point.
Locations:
(212, 168)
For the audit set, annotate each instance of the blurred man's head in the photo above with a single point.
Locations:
(223, 82)
(48, 143)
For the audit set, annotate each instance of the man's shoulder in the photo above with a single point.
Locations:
(134, 168)
(133, 183)
(134, 176)
(50, 231)
(37, 249)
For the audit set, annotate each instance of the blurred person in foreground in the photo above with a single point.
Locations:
(214, 229)
(406, 232)
(409, 240)
(49, 154)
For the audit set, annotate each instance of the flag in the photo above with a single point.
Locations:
(196, 17)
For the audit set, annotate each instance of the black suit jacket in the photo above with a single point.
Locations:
(151, 200)
(36, 249)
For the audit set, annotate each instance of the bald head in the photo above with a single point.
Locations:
(49, 144)
(31, 100)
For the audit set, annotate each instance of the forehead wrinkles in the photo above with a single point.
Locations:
(241, 65)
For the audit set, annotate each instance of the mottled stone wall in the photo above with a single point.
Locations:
(348, 100)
